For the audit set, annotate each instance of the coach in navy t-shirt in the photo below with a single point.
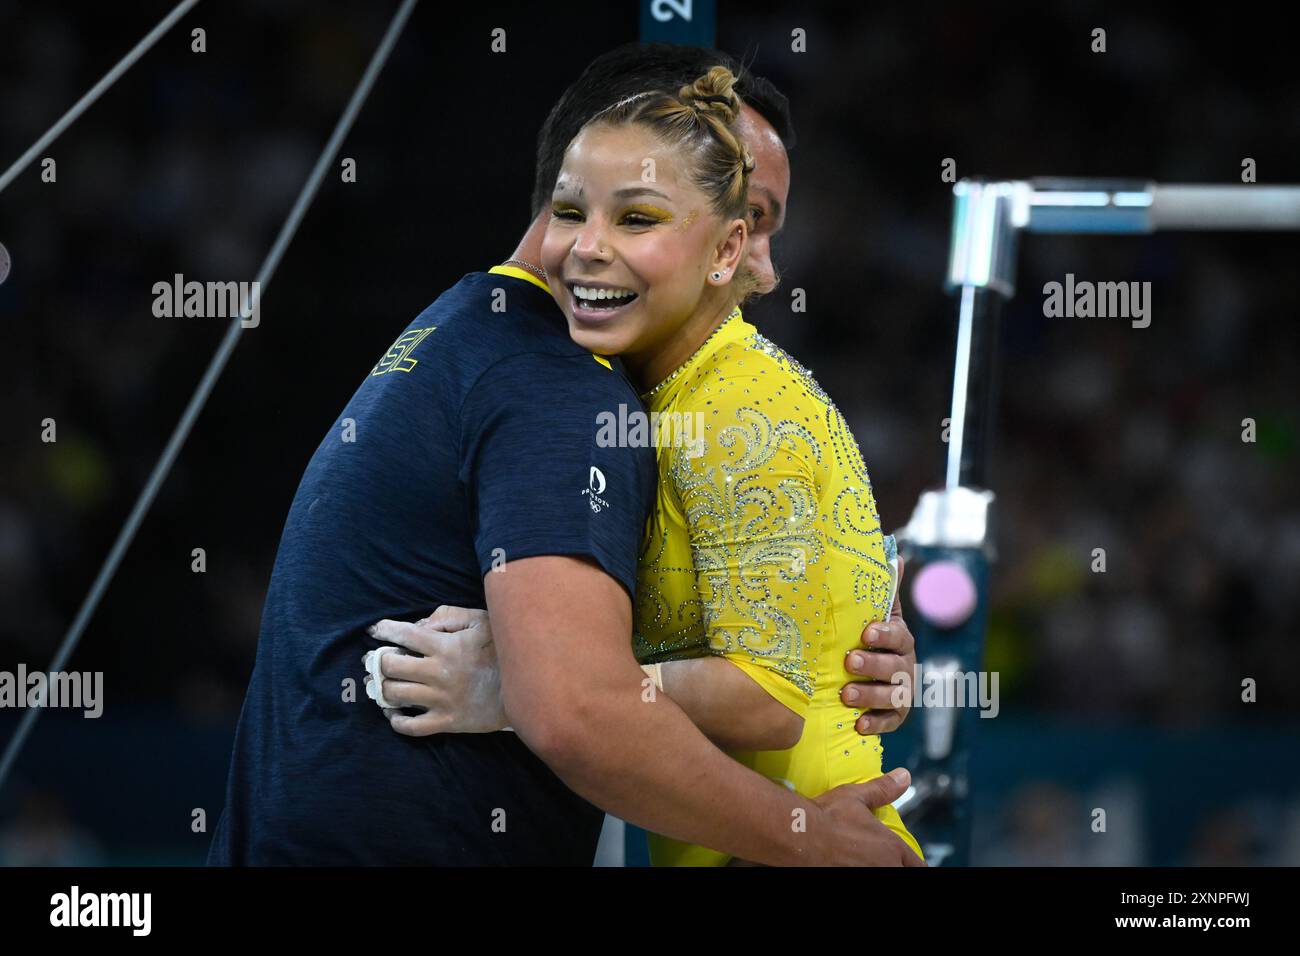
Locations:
(471, 442)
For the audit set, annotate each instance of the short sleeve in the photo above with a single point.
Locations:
(749, 493)
(537, 480)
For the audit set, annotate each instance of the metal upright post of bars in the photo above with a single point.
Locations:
(948, 535)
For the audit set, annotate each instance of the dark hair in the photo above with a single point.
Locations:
(637, 68)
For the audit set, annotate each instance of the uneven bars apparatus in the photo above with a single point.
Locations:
(951, 526)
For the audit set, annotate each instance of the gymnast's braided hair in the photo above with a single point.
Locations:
(699, 121)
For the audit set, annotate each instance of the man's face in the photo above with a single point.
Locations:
(769, 190)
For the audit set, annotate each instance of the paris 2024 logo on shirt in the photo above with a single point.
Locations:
(595, 485)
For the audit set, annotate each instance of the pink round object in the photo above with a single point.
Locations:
(944, 594)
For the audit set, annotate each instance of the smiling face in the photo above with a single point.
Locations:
(615, 229)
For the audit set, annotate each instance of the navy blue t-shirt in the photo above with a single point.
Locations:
(473, 440)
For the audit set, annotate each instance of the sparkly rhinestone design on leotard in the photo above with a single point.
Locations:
(779, 488)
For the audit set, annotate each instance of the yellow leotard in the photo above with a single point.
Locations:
(764, 547)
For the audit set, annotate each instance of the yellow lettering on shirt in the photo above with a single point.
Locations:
(397, 358)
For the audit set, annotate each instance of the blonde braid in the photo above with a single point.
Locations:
(713, 100)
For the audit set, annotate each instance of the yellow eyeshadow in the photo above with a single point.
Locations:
(653, 212)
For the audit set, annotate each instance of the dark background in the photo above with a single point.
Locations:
(1118, 690)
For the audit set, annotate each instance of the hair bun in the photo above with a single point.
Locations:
(714, 92)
